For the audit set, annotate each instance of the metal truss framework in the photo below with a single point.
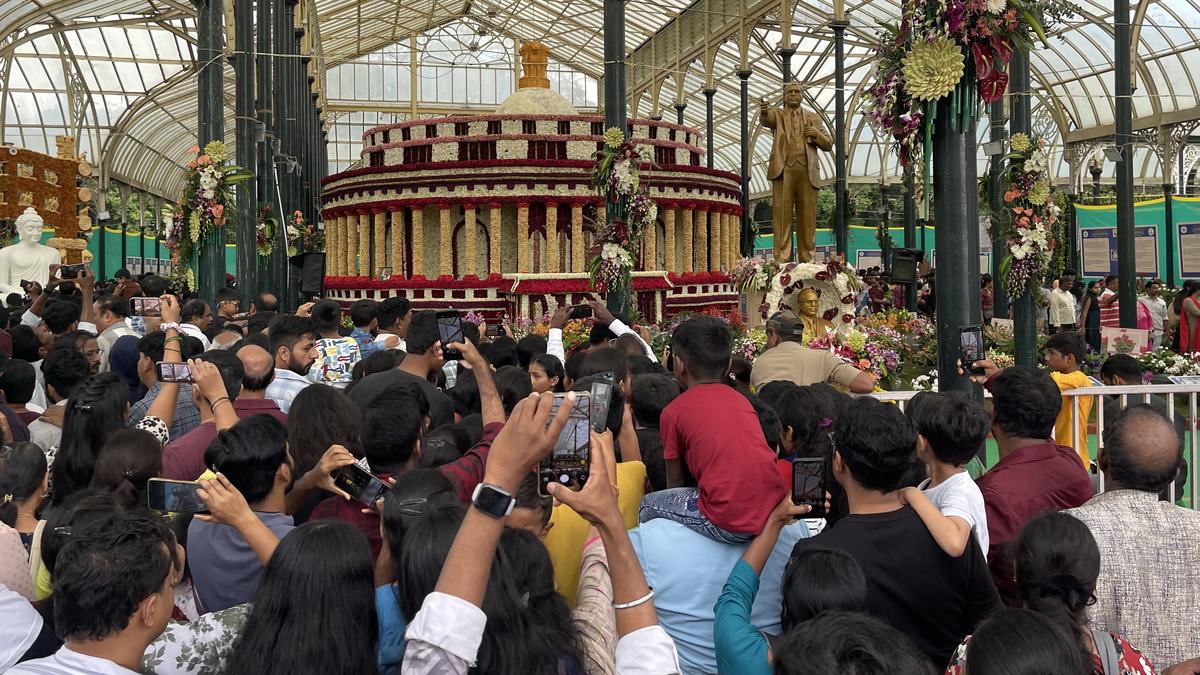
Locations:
(119, 74)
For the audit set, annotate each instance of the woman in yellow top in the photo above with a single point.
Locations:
(1064, 352)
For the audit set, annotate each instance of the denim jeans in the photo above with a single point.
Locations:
(679, 505)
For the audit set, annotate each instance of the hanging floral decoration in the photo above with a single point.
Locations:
(303, 236)
(950, 48)
(264, 230)
(207, 198)
(616, 245)
(1031, 241)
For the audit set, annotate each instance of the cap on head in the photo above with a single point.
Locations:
(787, 324)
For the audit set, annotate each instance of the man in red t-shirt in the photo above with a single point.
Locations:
(712, 431)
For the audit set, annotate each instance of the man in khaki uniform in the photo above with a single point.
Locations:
(793, 172)
(787, 358)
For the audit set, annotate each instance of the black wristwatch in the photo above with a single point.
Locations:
(492, 500)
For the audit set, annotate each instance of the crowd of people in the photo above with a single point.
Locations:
(688, 550)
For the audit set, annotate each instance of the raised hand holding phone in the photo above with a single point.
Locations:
(528, 435)
(597, 501)
(226, 505)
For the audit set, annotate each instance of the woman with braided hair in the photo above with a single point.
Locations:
(1057, 563)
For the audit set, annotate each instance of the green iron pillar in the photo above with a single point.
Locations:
(997, 217)
(279, 141)
(294, 91)
(1024, 308)
(841, 196)
(746, 245)
(1169, 232)
(265, 183)
(247, 148)
(785, 62)
(210, 33)
(679, 108)
(910, 232)
(956, 211)
(1123, 125)
(620, 300)
(708, 125)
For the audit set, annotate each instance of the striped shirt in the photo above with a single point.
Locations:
(1110, 309)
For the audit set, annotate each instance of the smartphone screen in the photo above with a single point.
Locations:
(494, 330)
(808, 484)
(174, 496)
(174, 372)
(970, 348)
(581, 311)
(450, 330)
(146, 306)
(385, 273)
(360, 484)
(601, 399)
(567, 463)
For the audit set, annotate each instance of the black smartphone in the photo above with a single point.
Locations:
(601, 399)
(970, 348)
(25, 284)
(581, 311)
(567, 464)
(146, 306)
(494, 330)
(450, 330)
(360, 484)
(174, 496)
(808, 484)
(71, 271)
(174, 372)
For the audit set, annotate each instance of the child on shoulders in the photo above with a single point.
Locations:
(951, 431)
(711, 432)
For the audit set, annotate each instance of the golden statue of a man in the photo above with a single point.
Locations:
(809, 303)
(793, 172)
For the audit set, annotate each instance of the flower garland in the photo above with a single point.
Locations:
(957, 48)
(1030, 239)
(838, 286)
(207, 195)
(616, 177)
(753, 274)
(303, 236)
(264, 231)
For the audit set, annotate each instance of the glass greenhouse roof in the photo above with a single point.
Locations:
(119, 74)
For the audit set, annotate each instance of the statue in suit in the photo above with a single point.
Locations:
(793, 172)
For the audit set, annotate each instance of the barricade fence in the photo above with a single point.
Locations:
(1181, 405)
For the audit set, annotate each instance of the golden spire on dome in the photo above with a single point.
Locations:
(534, 58)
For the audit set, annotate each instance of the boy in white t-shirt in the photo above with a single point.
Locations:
(952, 428)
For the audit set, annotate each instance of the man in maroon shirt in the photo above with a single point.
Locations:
(1034, 474)
(392, 426)
(183, 457)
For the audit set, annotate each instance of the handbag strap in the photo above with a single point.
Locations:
(1107, 651)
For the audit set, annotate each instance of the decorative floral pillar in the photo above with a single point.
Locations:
(669, 213)
(689, 253)
(523, 238)
(364, 244)
(731, 236)
(495, 238)
(551, 237)
(331, 231)
(380, 243)
(472, 239)
(700, 220)
(577, 262)
(714, 232)
(418, 241)
(445, 242)
(398, 243)
(352, 245)
(650, 259)
(343, 229)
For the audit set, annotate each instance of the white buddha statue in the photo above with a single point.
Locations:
(28, 259)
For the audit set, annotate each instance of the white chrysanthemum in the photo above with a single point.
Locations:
(996, 6)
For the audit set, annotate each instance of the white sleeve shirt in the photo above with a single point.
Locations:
(647, 651)
(444, 637)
